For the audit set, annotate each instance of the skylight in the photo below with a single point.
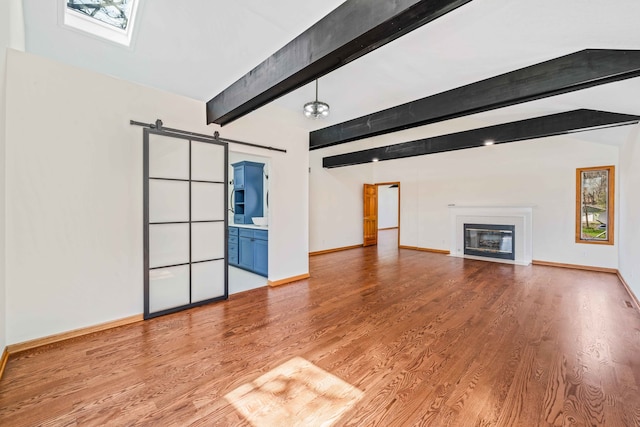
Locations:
(109, 19)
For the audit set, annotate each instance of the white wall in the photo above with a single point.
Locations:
(335, 205)
(11, 36)
(540, 172)
(629, 184)
(4, 44)
(74, 192)
(387, 207)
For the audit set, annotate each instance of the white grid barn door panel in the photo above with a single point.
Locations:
(185, 222)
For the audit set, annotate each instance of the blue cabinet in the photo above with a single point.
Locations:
(233, 245)
(245, 249)
(248, 190)
(249, 249)
(261, 256)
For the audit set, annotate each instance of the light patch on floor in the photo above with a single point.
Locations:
(296, 393)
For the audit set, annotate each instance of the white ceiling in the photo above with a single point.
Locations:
(197, 48)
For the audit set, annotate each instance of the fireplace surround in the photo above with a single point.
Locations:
(518, 216)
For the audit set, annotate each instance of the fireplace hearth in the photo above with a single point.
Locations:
(490, 240)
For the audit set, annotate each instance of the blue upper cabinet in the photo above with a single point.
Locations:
(248, 188)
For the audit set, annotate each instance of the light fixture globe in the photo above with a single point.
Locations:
(316, 109)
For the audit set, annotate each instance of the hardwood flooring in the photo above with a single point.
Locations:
(377, 336)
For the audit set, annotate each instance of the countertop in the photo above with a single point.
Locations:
(255, 227)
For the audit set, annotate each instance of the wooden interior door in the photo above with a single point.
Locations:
(370, 220)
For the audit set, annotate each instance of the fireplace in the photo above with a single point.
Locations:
(490, 240)
(518, 217)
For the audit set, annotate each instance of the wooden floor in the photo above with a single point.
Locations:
(377, 336)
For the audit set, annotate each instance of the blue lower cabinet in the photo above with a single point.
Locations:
(261, 257)
(248, 249)
(245, 253)
(233, 253)
(233, 245)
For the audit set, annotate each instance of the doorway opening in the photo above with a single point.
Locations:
(381, 210)
(248, 219)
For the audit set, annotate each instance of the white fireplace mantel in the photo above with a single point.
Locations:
(520, 216)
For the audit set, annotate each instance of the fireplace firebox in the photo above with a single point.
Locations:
(489, 240)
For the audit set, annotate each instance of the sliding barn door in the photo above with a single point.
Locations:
(185, 223)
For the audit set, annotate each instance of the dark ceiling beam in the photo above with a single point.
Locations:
(539, 127)
(568, 73)
(353, 29)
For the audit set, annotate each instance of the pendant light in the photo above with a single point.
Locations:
(316, 109)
